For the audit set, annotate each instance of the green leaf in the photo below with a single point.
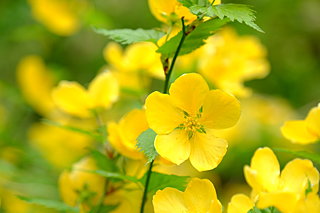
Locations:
(103, 162)
(113, 175)
(146, 144)
(302, 154)
(190, 3)
(160, 181)
(73, 129)
(194, 40)
(103, 209)
(266, 210)
(129, 36)
(235, 12)
(51, 204)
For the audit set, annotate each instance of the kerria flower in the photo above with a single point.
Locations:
(74, 99)
(185, 119)
(304, 131)
(288, 190)
(172, 10)
(199, 196)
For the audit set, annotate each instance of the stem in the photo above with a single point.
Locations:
(145, 192)
(176, 54)
(165, 90)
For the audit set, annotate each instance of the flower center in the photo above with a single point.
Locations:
(191, 125)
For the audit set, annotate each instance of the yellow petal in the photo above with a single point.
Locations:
(240, 203)
(162, 115)
(220, 110)
(310, 204)
(72, 98)
(200, 196)
(266, 170)
(174, 147)
(162, 9)
(207, 151)
(313, 121)
(298, 132)
(188, 92)
(116, 140)
(284, 201)
(132, 125)
(169, 200)
(297, 174)
(104, 90)
(113, 54)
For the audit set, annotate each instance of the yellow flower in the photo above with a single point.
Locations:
(228, 60)
(171, 10)
(36, 83)
(240, 203)
(79, 186)
(185, 120)
(57, 15)
(123, 135)
(310, 204)
(303, 131)
(74, 99)
(134, 66)
(59, 146)
(199, 196)
(283, 191)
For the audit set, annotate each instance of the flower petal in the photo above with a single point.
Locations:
(162, 115)
(298, 132)
(115, 139)
(72, 98)
(298, 174)
(263, 174)
(132, 125)
(188, 92)
(162, 9)
(284, 201)
(200, 195)
(220, 110)
(104, 90)
(240, 203)
(174, 147)
(207, 151)
(313, 121)
(169, 200)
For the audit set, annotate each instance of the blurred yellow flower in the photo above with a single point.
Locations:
(74, 99)
(80, 187)
(304, 131)
(168, 11)
(59, 16)
(59, 146)
(199, 196)
(134, 66)
(240, 203)
(185, 121)
(36, 83)
(283, 191)
(228, 60)
(123, 135)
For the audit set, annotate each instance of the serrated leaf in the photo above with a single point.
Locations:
(146, 144)
(51, 204)
(113, 175)
(129, 36)
(160, 181)
(235, 12)
(194, 40)
(103, 162)
(303, 154)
